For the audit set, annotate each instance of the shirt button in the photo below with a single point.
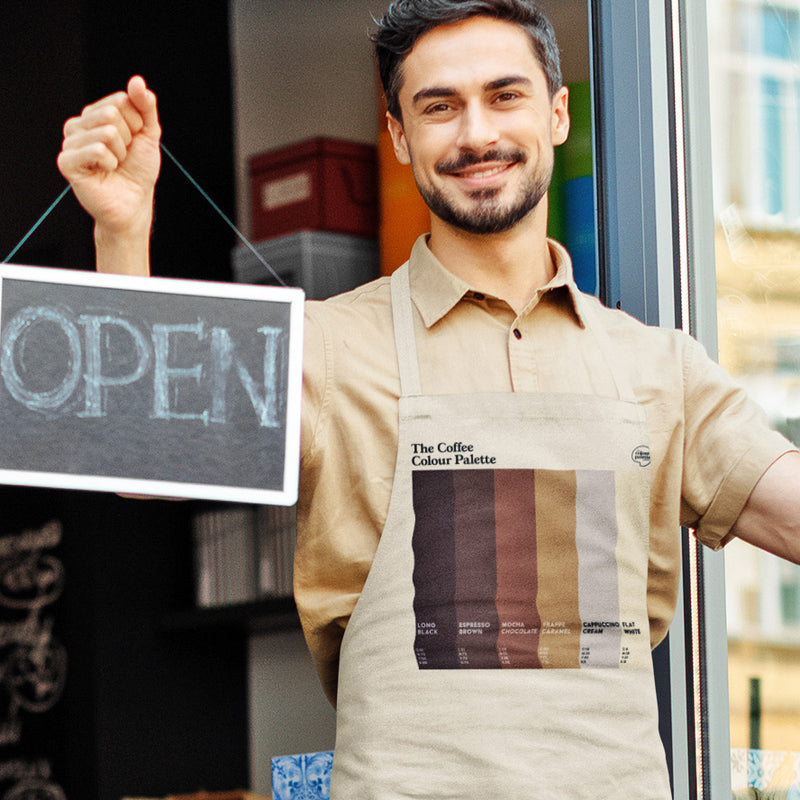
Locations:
(517, 333)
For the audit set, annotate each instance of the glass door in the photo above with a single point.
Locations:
(644, 246)
(754, 74)
(698, 162)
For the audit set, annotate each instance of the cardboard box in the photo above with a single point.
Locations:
(320, 184)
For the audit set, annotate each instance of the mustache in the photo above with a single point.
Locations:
(470, 159)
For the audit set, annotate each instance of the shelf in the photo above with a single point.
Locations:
(267, 615)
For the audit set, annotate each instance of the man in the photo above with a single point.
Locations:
(494, 467)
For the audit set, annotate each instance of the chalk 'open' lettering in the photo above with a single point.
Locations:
(153, 349)
(97, 383)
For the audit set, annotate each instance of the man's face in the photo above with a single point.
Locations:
(478, 124)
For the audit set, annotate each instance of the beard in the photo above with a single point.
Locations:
(486, 213)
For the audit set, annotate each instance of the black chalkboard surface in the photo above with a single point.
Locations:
(150, 385)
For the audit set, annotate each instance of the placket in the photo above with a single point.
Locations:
(524, 355)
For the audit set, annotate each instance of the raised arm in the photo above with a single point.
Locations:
(111, 157)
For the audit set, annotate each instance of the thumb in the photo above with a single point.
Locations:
(144, 100)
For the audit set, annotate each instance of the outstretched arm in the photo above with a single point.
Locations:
(111, 157)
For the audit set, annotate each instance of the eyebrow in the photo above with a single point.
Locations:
(448, 91)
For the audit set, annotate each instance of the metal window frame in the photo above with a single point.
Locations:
(656, 258)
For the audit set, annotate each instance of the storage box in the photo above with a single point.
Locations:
(320, 263)
(320, 184)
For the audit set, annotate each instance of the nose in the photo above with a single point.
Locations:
(478, 129)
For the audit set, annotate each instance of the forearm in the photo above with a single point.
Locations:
(771, 517)
(126, 253)
(111, 157)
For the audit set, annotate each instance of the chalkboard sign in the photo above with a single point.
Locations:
(149, 385)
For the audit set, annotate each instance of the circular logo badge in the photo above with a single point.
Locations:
(641, 456)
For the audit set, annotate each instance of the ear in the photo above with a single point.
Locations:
(560, 119)
(398, 139)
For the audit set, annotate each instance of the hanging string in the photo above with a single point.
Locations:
(38, 223)
(222, 214)
(199, 189)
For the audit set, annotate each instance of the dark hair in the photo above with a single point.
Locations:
(406, 21)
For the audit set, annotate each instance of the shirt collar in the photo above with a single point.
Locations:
(436, 291)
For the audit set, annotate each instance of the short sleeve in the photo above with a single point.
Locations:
(728, 445)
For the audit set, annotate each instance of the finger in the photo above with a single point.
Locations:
(122, 114)
(116, 99)
(113, 137)
(103, 127)
(144, 100)
(92, 159)
(70, 126)
(124, 120)
(116, 109)
(109, 123)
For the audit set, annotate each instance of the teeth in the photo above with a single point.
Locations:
(485, 173)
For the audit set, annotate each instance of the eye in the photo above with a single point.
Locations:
(438, 108)
(506, 97)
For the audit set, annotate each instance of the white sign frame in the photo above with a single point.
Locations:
(293, 298)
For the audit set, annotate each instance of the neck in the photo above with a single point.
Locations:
(511, 265)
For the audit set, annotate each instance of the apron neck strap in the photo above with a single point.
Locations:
(406, 343)
(404, 338)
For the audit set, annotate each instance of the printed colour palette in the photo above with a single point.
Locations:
(518, 569)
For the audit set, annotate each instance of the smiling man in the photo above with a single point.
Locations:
(494, 136)
(494, 466)
(477, 118)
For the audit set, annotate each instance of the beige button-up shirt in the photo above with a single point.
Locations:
(710, 444)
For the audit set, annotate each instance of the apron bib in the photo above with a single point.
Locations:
(500, 647)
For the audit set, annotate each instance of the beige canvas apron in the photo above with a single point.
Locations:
(500, 647)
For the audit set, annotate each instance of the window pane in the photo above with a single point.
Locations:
(755, 85)
(773, 139)
(780, 27)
